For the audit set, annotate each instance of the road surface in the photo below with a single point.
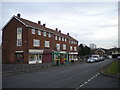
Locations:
(85, 75)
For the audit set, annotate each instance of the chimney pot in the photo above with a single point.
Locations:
(39, 22)
(44, 25)
(60, 31)
(18, 15)
(67, 33)
(56, 29)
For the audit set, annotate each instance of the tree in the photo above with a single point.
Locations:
(84, 50)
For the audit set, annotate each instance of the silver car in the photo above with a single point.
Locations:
(91, 59)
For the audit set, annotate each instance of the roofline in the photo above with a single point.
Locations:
(20, 21)
(11, 19)
(34, 27)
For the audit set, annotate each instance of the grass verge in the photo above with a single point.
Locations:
(112, 69)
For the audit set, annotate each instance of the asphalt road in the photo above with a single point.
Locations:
(85, 75)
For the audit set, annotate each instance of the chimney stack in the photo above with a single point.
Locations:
(67, 33)
(39, 22)
(18, 15)
(56, 29)
(60, 31)
(44, 25)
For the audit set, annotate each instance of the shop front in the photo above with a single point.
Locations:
(59, 58)
(19, 57)
(35, 56)
(73, 56)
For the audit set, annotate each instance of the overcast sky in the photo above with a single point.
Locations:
(88, 22)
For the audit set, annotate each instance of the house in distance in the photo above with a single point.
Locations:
(27, 42)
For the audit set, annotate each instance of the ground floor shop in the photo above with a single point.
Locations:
(36, 56)
(59, 58)
(73, 56)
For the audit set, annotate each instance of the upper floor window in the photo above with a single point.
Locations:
(62, 38)
(44, 34)
(55, 37)
(59, 38)
(36, 43)
(65, 39)
(39, 32)
(19, 30)
(75, 49)
(19, 36)
(33, 31)
(70, 48)
(47, 43)
(49, 34)
(64, 46)
(19, 42)
(58, 47)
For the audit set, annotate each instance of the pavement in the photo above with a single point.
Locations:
(13, 69)
(85, 75)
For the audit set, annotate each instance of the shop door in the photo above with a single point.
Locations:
(19, 57)
(39, 60)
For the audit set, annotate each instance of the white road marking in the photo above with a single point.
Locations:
(81, 85)
(87, 81)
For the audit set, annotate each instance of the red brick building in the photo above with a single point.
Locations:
(25, 41)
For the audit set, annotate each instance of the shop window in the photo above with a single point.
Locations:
(19, 57)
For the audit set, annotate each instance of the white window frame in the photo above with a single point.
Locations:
(58, 47)
(19, 42)
(64, 46)
(49, 34)
(33, 31)
(62, 38)
(75, 49)
(47, 43)
(71, 48)
(19, 30)
(59, 38)
(65, 39)
(19, 36)
(39, 32)
(34, 43)
(44, 34)
(55, 37)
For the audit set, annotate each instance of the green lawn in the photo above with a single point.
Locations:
(113, 68)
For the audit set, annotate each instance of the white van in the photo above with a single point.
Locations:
(96, 57)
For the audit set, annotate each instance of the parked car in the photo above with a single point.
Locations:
(118, 57)
(96, 57)
(91, 59)
(102, 58)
